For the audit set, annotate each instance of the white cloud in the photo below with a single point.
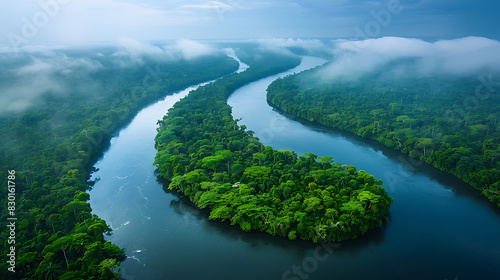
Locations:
(469, 55)
(23, 96)
(57, 64)
(135, 51)
(281, 44)
(191, 49)
(35, 71)
(44, 72)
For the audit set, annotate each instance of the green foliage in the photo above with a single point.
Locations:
(257, 187)
(442, 120)
(53, 147)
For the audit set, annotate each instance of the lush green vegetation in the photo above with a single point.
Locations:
(450, 122)
(52, 149)
(219, 165)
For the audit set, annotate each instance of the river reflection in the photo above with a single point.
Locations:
(439, 228)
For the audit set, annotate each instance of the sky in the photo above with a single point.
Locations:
(447, 36)
(68, 22)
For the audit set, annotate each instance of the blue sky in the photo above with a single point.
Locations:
(84, 21)
(28, 25)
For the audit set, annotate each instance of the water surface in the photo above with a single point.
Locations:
(440, 228)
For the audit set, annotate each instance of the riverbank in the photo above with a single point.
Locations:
(220, 166)
(166, 235)
(409, 118)
(53, 148)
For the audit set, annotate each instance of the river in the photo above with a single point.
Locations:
(440, 228)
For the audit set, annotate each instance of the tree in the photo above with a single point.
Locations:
(325, 160)
(491, 154)
(261, 188)
(212, 162)
(259, 157)
(308, 157)
(425, 143)
(352, 206)
(82, 196)
(98, 228)
(227, 157)
(402, 118)
(369, 198)
(312, 204)
(78, 208)
(49, 270)
(222, 212)
(256, 173)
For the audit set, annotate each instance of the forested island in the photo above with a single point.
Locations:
(219, 165)
(54, 145)
(449, 122)
(249, 140)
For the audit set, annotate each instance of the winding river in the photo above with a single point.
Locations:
(440, 228)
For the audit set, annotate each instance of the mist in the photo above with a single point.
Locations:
(35, 72)
(292, 46)
(133, 51)
(29, 76)
(412, 57)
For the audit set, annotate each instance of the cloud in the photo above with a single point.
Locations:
(58, 64)
(135, 51)
(25, 95)
(37, 73)
(282, 45)
(34, 49)
(464, 56)
(191, 49)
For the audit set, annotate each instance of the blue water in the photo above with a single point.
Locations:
(440, 228)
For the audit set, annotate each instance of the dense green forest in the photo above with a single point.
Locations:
(52, 147)
(449, 122)
(219, 165)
